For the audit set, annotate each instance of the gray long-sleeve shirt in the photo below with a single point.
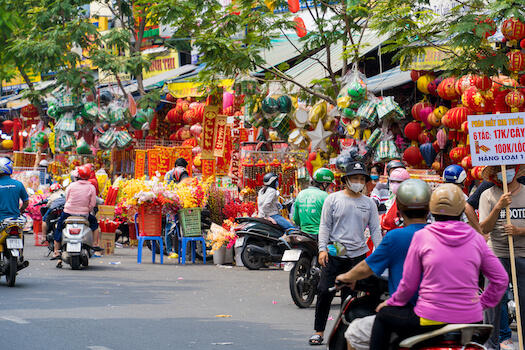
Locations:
(345, 219)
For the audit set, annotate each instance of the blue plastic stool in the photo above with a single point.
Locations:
(154, 240)
(183, 245)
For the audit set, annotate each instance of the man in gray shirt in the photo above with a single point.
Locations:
(344, 218)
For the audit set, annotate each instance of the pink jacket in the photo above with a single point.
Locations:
(81, 197)
(447, 257)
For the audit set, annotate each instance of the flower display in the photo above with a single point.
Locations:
(218, 237)
(193, 194)
(33, 210)
(236, 209)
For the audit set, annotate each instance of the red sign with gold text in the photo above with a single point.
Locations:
(208, 132)
(220, 136)
(223, 163)
(140, 163)
(153, 155)
(164, 160)
(208, 169)
(236, 147)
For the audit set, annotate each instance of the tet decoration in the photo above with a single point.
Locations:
(208, 133)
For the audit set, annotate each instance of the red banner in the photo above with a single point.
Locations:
(208, 169)
(140, 163)
(165, 162)
(220, 136)
(153, 155)
(223, 163)
(236, 147)
(208, 132)
(243, 135)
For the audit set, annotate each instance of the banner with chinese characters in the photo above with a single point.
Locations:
(153, 158)
(208, 169)
(220, 136)
(165, 162)
(223, 163)
(140, 163)
(208, 132)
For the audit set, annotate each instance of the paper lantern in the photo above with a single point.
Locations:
(189, 117)
(432, 88)
(191, 142)
(196, 130)
(7, 144)
(435, 144)
(482, 82)
(476, 172)
(423, 116)
(227, 100)
(464, 127)
(173, 116)
(182, 134)
(434, 120)
(500, 106)
(425, 136)
(441, 138)
(196, 150)
(428, 153)
(197, 161)
(485, 27)
(7, 126)
(513, 30)
(514, 100)
(458, 153)
(455, 117)
(423, 81)
(293, 6)
(412, 130)
(170, 98)
(412, 156)
(416, 109)
(447, 90)
(300, 28)
(436, 166)
(463, 83)
(414, 75)
(477, 100)
(467, 162)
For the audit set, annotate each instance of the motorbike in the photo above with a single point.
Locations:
(301, 258)
(12, 248)
(54, 215)
(373, 290)
(77, 242)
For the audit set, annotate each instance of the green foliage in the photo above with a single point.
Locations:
(149, 100)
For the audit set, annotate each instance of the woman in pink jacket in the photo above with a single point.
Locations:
(443, 261)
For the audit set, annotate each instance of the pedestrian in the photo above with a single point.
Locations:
(344, 219)
(13, 191)
(492, 215)
(375, 171)
(381, 192)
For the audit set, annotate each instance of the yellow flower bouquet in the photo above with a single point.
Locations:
(218, 237)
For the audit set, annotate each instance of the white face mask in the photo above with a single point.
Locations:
(355, 186)
(511, 173)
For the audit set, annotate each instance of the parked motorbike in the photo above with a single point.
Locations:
(77, 242)
(12, 248)
(301, 259)
(375, 289)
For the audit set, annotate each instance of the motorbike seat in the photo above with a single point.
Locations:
(460, 332)
(263, 221)
(77, 220)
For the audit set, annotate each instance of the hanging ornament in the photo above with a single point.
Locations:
(463, 83)
(458, 153)
(514, 100)
(428, 153)
(482, 82)
(477, 100)
(455, 117)
(412, 156)
(485, 27)
(516, 62)
(447, 90)
(423, 81)
(294, 6)
(412, 131)
(416, 109)
(300, 27)
(414, 75)
(513, 30)
(424, 116)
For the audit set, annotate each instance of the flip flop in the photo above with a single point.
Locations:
(55, 257)
(316, 339)
(97, 249)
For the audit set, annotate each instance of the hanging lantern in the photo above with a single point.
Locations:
(412, 131)
(300, 28)
(423, 81)
(424, 115)
(455, 117)
(7, 126)
(412, 156)
(432, 87)
(513, 30)
(467, 162)
(416, 109)
(477, 101)
(463, 83)
(476, 172)
(428, 153)
(414, 75)
(170, 98)
(516, 62)
(425, 136)
(485, 27)
(514, 100)
(482, 82)
(173, 116)
(500, 106)
(441, 138)
(458, 153)
(446, 89)
(294, 6)
(433, 119)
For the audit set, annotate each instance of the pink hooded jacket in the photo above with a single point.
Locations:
(444, 260)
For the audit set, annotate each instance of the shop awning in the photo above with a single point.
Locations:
(282, 50)
(388, 80)
(159, 79)
(185, 89)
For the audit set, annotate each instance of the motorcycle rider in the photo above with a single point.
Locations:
(412, 200)
(445, 259)
(309, 202)
(80, 201)
(381, 192)
(13, 191)
(268, 202)
(344, 219)
(56, 199)
(391, 220)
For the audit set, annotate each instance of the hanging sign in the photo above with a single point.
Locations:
(497, 139)
(208, 169)
(220, 136)
(140, 163)
(208, 132)
(164, 160)
(152, 162)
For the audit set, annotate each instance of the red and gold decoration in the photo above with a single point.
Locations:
(208, 132)
(515, 100)
(514, 30)
(140, 163)
(516, 62)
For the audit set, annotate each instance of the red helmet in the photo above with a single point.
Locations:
(90, 166)
(55, 187)
(84, 172)
(179, 173)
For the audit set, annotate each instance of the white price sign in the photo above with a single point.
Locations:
(497, 139)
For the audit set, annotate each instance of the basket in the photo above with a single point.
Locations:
(106, 212)
(190, 220)
(150, 220)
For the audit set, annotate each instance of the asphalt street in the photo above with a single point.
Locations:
(116, 303)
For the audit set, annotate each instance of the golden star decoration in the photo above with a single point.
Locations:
(318, 162)
(318, 137)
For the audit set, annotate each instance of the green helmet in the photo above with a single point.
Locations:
(413, 194)
(324, 175)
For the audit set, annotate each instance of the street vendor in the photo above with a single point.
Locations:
(178, 173)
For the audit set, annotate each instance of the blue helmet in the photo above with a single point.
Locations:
(454, 174)
(6, 166)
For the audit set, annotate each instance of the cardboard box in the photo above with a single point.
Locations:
(107, 242)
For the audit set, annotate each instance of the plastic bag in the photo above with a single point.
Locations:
(89, 111)
(388, 108)
(124, 139)
(108, 139)
(66, 142)
(66, 123)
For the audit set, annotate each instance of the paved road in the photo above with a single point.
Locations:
(118, 304)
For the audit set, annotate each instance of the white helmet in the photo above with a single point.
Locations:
(6, 166)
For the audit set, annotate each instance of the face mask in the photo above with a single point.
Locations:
(374, 177)
(510, 175)
(355, 186)
(394, 186)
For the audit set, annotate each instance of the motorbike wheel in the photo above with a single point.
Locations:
(303, 292)
(10, 275)
(250, 261)
(75, 262)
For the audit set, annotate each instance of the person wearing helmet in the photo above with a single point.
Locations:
(268, 202)
(309, 202)
(391, 219)
(413, 197)
(80, 200)
(344, 219)
(493, 219)
(93, 176)
(445, 259)
(44, 164)
(56, 199)
(13, 191)
(178, 173)
(455, 174)
(382, 192)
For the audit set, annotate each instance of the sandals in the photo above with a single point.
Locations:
(55, 257)
(315, 339)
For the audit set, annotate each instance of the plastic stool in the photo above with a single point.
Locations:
(154, 240)
(183, 244)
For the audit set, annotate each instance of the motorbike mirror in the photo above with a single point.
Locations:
(30, 191)
(66, 182)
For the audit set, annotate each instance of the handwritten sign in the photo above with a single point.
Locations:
(497, 139)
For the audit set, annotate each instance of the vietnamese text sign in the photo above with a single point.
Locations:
(497, 139)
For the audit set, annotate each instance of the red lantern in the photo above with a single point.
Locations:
(484, 21)
(29, 111)
(173, 116)
(300, 28)
(457, 154)
(425, 136)
(446, 89)
(191, 142)
(294, 6)
(467, 162)
(513, 30)
(170, 98)
(189, 117)
(482, 82)
(464, 127)
(416, 109)
(412, 156)
(414, 75)
(514, 100)
(455, 117)
(463, 83)
(500, 106)
(412, 131)
(199, 112)
(476, 100)
(476, 172)
(432, 88)
(516, 61)
(7, 126)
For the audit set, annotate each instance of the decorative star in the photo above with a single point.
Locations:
(317, 163)
(318, 137)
